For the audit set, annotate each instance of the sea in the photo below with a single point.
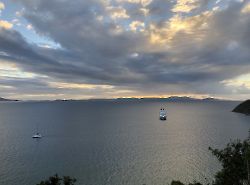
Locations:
(115, 142)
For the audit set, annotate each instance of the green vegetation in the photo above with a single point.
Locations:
(180, 183)
(56, 180)
(235, 162)
(243, 108)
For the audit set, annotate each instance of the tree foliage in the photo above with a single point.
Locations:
(56, 180)
(176, 183)
(235, 160)
(180, 183)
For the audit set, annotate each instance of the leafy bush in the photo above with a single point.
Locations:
(56, 180)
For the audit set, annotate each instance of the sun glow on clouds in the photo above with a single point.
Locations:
(5, 24)
(240, 81)
(12, 71)
(194, 25)
(135, 43)
(64, 85)
(142, 2)
(185, 6)
(246, 9)
(137, 26)
(2, 6)
(6, 87)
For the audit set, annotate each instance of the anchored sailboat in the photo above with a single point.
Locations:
(37, 135)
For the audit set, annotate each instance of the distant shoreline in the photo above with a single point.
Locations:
(168, 99)
(7, 100)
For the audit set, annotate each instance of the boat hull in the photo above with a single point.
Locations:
(163, 118)
(37, 136)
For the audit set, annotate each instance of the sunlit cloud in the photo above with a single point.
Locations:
(246, 9)
(240, 81)
(137, 26)
(193, 26)
(5, 24)
(125, 48)
(117, 12)
(185, 6)
(2, 6)
(12, 70)
(29, 27)
(142, 2)
(6, 87)
(64, 85)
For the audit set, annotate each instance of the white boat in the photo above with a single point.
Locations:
(163, 114)
(37, 135)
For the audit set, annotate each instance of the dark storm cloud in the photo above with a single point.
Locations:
(73, 24)
(92, 52)
(40, 87)
(16, 49)
(27, 84)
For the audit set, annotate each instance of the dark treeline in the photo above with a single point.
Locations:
(56, 180)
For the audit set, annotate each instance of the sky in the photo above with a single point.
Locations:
(83, 49)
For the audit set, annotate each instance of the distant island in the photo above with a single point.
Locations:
(167, 99)
(243, 108)
(171, 99)
(3, 99)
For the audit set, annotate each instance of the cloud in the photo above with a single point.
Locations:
(142, 2)
(29, 27)
(77, 86)
(2, 6)
(186, 6)
(137, 26)
(5, 24)
(19, 13)
(117, 12)
(246, 9)
(113, 44)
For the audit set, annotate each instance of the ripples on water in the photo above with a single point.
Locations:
(115, 143)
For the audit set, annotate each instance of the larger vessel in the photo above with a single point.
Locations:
(163, 114)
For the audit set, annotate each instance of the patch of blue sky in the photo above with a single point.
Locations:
(13, 14)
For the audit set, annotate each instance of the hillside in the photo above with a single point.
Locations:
(243, 108)
(3, 99)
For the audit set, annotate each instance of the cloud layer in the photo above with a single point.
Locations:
(111, 48)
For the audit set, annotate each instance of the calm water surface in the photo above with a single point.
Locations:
(115, 143)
